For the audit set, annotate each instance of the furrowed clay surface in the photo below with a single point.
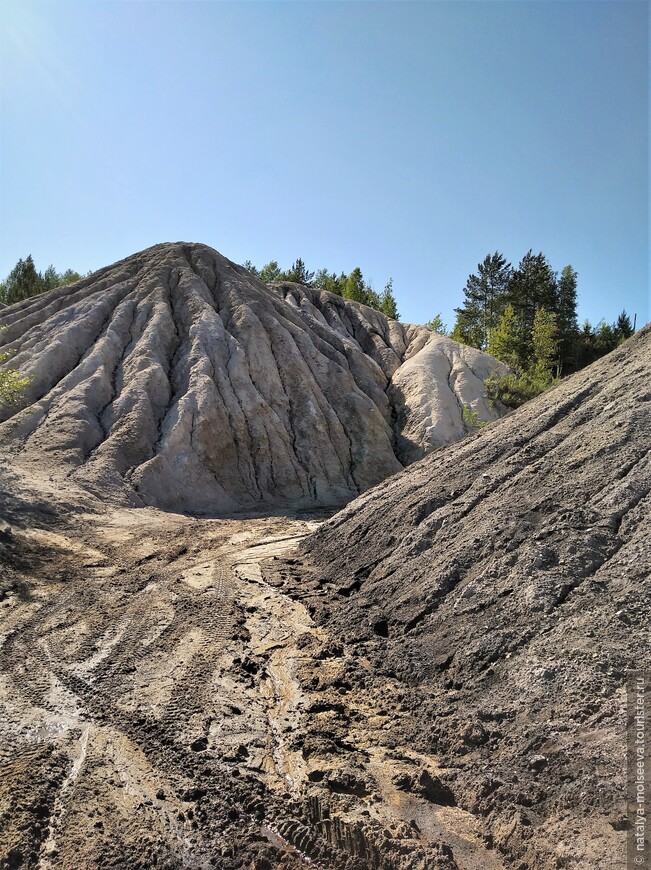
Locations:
(175, 378)
(495, 595)
(201, 665)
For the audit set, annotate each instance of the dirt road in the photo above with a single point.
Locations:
(164, 706)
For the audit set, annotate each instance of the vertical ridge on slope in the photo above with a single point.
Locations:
(176, 378)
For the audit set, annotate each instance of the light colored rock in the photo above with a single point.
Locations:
(175, 378)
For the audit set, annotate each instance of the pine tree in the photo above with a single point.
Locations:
(545, 344)
(436, 325)
(51, 278)
(532, 286)
(388, 304)
(623, 327)
(271, 272)
(568, 328)
(484, 300)
(248, 265)
(354, 287)
(324, 280)
(298, 273)
(605, 339)
(504, 342)
(22, 282)
(467, 327)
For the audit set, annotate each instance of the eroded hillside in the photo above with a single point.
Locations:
(175, 378)
(499, 590)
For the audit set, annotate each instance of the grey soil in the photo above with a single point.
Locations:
(432, 678)
(494, 597)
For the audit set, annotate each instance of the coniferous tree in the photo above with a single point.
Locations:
(22, 282)
(388, 305)
(69, 277)
(355, 288)
(484, 301)
(544, 343)
(467, 329)
(330, 281)
(504, 340)
(436, 325)
(532, 286)
(352, 286)
(270, 272)
(568, 328)
(298, 273)
(623, 327)
(51, 278)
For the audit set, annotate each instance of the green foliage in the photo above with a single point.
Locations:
(501, 314)
(514, 390)
(355, 288)
(544, 341)
(298, 273)
(526, 381)
(568, 329)
(352, 286)
(271, 272)
(12, 386)
(484, 301)
(504, 339)
(623, 327)
(333, 283)
(388, 304)
(24, 281)
(471, 418)
(436, 325)
(594, 342)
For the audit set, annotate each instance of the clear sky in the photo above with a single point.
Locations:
(409, 138)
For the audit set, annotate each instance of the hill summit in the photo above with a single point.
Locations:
(175, 378)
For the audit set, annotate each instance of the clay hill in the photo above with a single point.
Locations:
(492, 599)
(431, 679)
(175, 378)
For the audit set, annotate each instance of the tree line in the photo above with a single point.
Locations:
(526, 317)
(352, 286)
(24, 281)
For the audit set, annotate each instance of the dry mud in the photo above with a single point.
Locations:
(499, 591)
(164, 706)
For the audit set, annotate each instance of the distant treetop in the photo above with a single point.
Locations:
(24, 281)
(352, 286)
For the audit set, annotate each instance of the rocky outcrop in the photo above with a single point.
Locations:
(175, 378)
(501, 585)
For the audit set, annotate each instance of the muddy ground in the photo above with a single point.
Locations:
(164, 706)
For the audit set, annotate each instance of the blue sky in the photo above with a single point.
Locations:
(409, 138)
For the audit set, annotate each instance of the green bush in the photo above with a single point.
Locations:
(471, 418)
(514, 390)
(12, 385)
